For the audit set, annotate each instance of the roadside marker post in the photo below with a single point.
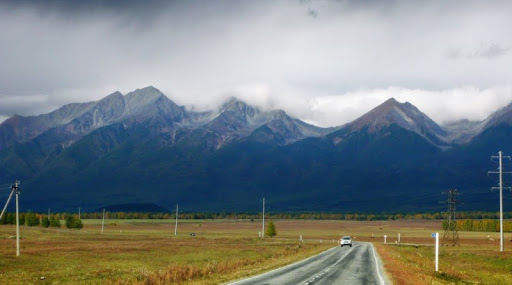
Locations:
(385, 237)
(436, 235)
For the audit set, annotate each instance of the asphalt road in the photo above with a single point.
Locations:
(354, 265)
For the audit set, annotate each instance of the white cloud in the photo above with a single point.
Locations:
(328, 68)
(442, 106)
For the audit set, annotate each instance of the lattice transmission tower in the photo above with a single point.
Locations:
(451, 233)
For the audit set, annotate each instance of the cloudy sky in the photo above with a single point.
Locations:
(326, 62)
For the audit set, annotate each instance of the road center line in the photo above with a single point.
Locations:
(327, 269)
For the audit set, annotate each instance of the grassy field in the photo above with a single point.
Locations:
(147, 252)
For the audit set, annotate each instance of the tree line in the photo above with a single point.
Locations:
(35, 219)
(9, 218)
(485, 225)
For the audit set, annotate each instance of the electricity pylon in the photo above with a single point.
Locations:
(451, 233)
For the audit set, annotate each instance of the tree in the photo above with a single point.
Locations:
(46, 222)
(31, 220)
(271, 229)
(54, 222)
(445, 225)
(3, 221)
(22, 218)
(73, 222)
(11, 218)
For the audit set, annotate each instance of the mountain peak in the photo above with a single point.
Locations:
(148, 91)
(391, 101)
(139, 100)
(239, 108)
(404, 115)
(233, 104)
(149, 88)
(389, 112)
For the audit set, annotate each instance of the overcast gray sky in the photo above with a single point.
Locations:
(326, 62)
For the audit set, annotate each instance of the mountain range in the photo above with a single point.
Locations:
(141, 149)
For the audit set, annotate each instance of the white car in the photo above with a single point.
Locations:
(346, 240)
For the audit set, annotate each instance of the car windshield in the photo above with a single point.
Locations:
(346, 238)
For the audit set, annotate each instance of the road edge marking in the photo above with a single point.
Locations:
(377, 266)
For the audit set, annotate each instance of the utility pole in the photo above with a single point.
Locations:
(263, 227)
(103, 222)
(79, 213)
(451, 233)
(176, 226)
(500, 172)
(15, 187)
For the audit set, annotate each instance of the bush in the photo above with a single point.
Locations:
(73, 222)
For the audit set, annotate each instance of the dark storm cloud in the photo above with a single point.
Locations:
(74, 7)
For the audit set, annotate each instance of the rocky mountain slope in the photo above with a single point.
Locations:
(143, 148)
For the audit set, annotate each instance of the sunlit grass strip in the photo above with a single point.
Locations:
(257, 258)
(471, 263)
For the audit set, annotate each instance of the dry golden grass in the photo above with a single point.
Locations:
(147, 252)
(476, 261)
